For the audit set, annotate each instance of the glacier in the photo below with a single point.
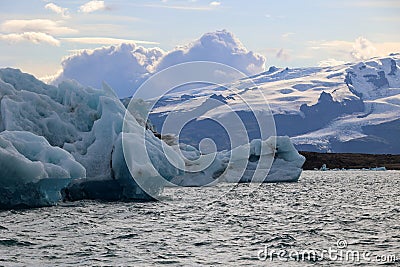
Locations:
(349, 108)
(67, 143)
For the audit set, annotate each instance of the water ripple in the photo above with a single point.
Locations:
(195, 227)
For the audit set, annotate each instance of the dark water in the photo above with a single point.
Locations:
(283, 224)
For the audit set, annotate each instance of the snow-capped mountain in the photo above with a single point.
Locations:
(348, 108)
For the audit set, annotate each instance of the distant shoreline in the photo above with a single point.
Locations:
(350, 160)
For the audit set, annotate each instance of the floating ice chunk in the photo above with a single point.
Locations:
(324, 168)
(378, 169)
(271, 160)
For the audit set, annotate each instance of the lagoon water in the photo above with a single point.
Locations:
(343, 218)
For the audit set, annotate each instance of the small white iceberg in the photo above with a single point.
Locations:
(271, 160)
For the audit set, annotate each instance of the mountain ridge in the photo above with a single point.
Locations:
(345, 108)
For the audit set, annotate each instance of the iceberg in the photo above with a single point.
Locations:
(69, 143)
(71, 133)
(261, 161)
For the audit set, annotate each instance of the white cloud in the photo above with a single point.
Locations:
(359, 49)
(123, 67)
(215, 4)
(363, 49)
(33, 37)
(330, 62)
(49, 78)
(92, 6)
(35, 25)
(105, 41)
(220, 46)
(57, 9)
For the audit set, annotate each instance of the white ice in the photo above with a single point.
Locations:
(69, 131)
(271, 160)
(68, 140)
(29, 165)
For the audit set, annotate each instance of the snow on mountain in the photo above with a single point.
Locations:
(321, 108)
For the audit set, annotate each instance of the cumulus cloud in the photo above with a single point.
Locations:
(123, 67)
(359, 49)
(92, 6)
(363, 49)
(35, 25)
(34, 37)
(57, 9)
(220, 46)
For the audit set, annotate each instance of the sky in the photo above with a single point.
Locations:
(37, 35)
